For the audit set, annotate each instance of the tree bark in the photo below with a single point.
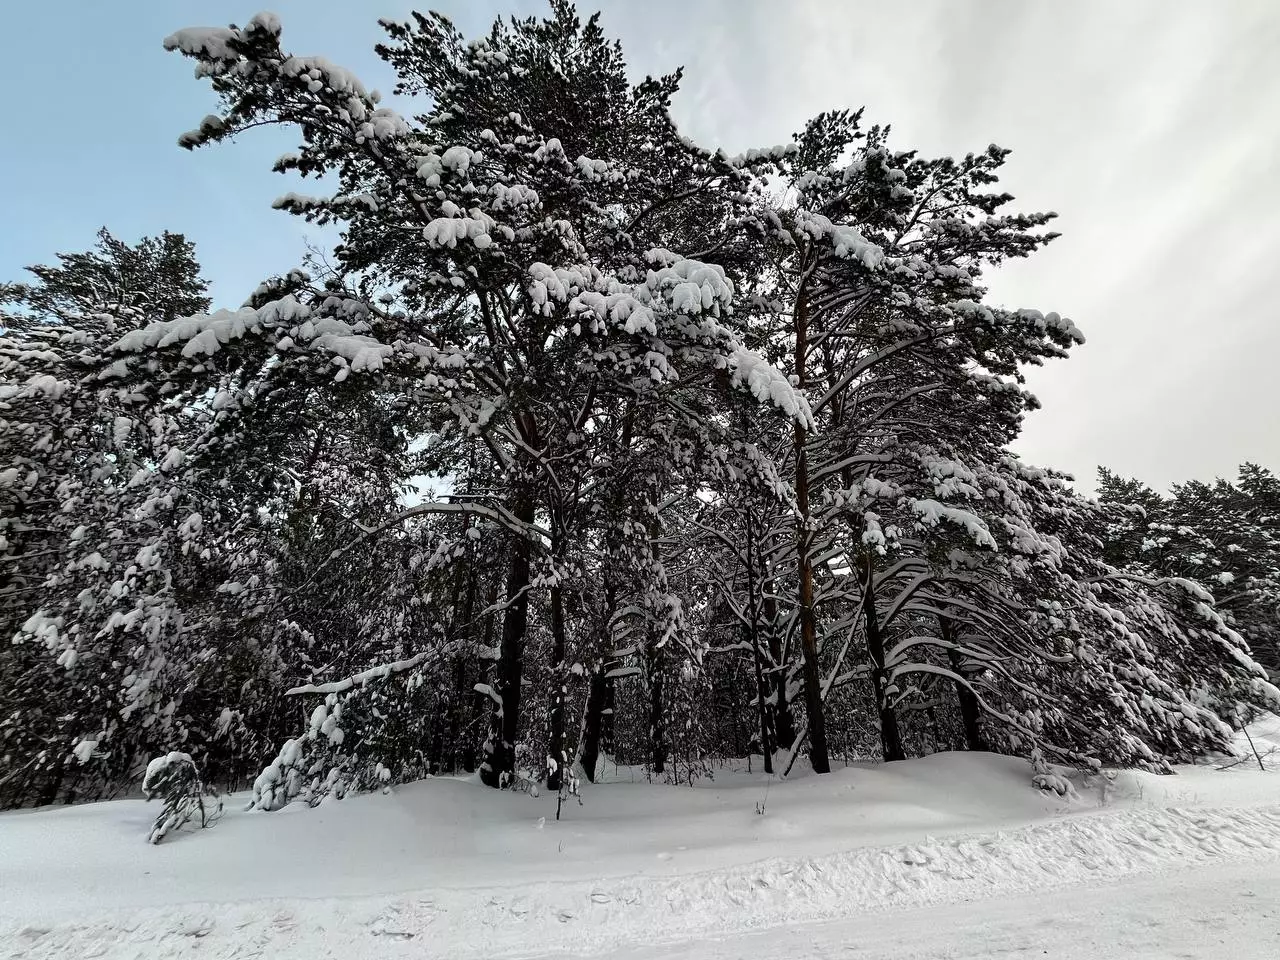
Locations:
(784, 724)
(935, 731)
(608, 745)
(890, 736)
(460, 708)
(808, 622)
(556, 758)
(970, 712)
(498, 768)
(53, 786)
(756, 655)
(593, 723)
(657, 728)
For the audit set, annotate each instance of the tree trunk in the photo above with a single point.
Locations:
(970, 712)
(460, 757)
(608, 745)
(593, 718)
(499, 764)
(489, 624)
(762, 710)
(555, 743)
(460, 708)
(593, 723)
(808, 622)
(53, 786)
(890, 737)
(934, 730)
(657, 729)
(784, 724)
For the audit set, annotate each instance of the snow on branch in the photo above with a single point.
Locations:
(931, 513)
(768, 385)
(359, 679)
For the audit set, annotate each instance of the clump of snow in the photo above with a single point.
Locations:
(214, 42)
(768, 385)
(159, 766)
(931, 513)
(847, 241)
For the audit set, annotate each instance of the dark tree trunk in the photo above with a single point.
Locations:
(970, 712)
(555, 741)
(762, 694)
(53, 786)
(499, 764)
(784, 724)
(443, 725)
(934, 730)
(890, 737)
(608, 745)
(657, 728)
(489, 624)
(593, 723)
(757, 655)
(808, 620)
(459, 756)
(653, 661)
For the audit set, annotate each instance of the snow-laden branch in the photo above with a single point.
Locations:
(359, 679)
(498, 514)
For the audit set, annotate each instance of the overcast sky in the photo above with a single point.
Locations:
(1152, 128)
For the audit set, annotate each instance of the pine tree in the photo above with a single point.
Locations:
(114, 284)
(1224, 536)
(536, 290)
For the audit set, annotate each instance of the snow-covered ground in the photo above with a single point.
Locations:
(1220, 912)
(953, 855)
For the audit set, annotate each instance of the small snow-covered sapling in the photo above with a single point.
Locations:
(175, 779)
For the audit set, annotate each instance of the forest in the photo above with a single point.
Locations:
(584, 445)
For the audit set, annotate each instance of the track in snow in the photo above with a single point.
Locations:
(601, 917)
(1208, 912)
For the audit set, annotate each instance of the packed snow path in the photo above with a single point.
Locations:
(1207, 913)
(441, 870)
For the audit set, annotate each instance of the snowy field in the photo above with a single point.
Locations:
(949, 856)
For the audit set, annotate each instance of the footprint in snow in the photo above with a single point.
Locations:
(915, 858)
(201, 927)
(393, 934)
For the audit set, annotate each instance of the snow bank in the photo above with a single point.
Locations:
(473, 873)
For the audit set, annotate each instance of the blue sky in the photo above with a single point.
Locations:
(1151, 126)
(111, 103)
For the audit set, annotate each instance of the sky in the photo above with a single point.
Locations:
(1152, 127)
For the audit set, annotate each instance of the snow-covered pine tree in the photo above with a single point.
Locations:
(91, 679)
(876, 305)
(114, 283)
(1225, 536)
(506, 259)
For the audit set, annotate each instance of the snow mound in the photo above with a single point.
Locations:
(473, 873)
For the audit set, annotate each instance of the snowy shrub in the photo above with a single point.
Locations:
(175, 780)
(569, 790)
(369, 733)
